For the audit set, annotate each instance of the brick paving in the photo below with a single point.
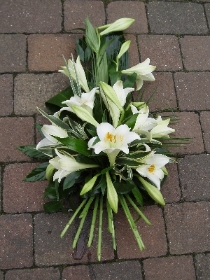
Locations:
(174, 34)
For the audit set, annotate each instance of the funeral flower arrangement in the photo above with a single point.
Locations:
(102, 148)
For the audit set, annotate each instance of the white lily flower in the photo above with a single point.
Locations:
(49, 131)
(152, 168)
(66, 164)
(119, 25)
(121, 92)
(143, 71)
(112, 140)
(86, 101)
(161, 129)
(76, 70)
(143, 122)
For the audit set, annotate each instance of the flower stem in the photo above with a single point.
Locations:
(131, 222)
(100, 229)
(137, 209)
(72, 218)
(90, 240)
(83, 216)
(111, 224)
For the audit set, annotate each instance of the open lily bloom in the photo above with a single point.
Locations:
(49, 131)
(112, 140)
(152, 168)
(143, 122)
(86, 100)
(143, 71)
(76, 70)
(161, 129)
(65, 165)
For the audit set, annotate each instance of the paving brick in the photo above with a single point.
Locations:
(75, 13)
(15, 132)
(162, 92)
(207, 9)
(30, 16)
(202, 264)
(172, 268)
(195, 177)
(135, 10)
(153, 236)
(46, 51)
(16, 241)
(1, 187)
(187, 126)
(80, 272)
(163, 51)
(32, 90)
(188, 227)
(191, 86)
(50, 249)
(133, 50)
(19, 196)
(170, 189)
(118, 270)
(205, 123)
(33, 274)
(177, 18)
(12, 53)
(6, 94)
(195, 50)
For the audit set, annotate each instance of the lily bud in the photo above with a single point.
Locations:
(152, 191)
(119, 25)
(49, 172)
(84, 115)
(110, 93)
(89, 185)
(125, 46)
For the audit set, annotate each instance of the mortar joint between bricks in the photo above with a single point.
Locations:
(146, 9)
(202, 131)
(62, 16)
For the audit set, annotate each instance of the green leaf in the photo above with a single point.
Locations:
(38, 173)
(92, 37)
(53, 206)
(127, 161)
(77, 145)
(130, 80)
(55, 103)
(138, 155)
(124, 186)
(52, 190)
(130, 122)
(137, 196)
(30, 150)
(54, 120)
(70, 180)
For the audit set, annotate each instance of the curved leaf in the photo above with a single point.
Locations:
(38, 173)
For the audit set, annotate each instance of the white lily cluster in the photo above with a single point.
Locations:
(99, 140)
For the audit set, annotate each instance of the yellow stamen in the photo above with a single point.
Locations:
(151, 168)
(111, 137)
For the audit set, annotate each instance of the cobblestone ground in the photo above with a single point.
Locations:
(34, 34)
